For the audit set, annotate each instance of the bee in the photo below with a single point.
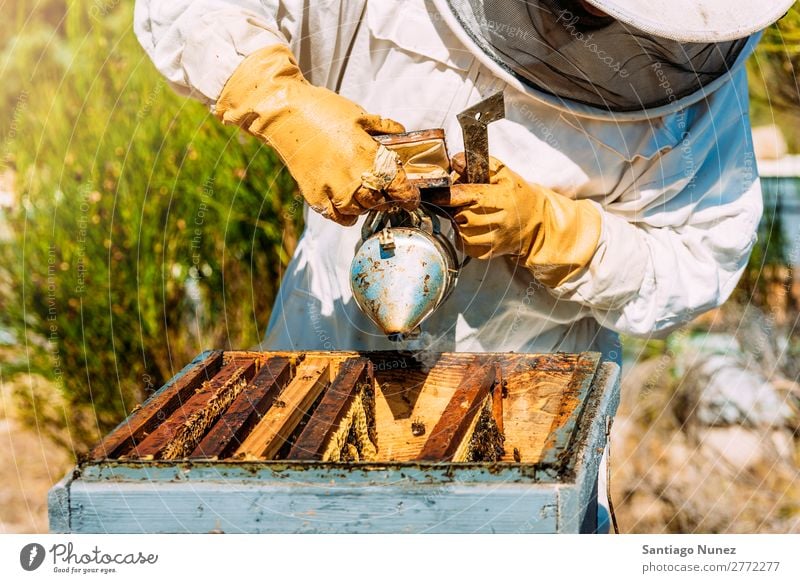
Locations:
(417, 428)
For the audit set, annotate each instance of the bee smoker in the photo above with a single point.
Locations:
(403, 270)
(405, 267)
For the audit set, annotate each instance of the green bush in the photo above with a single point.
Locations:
(773, 73)
(145, 231)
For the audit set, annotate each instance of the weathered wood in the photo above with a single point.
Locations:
(58, 507)
(535, 396)
(573, 402)
(460, 415)
(261, 358)
(278, 423)
(463, 447)
(158, 407)
(302, 506)
(410, 393)
(289, 471)
(586, 450)
(335, 406)
(498, 396)
(179, 434)
(411, 397)
(233, 426)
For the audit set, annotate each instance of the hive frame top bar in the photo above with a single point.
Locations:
(560, 463)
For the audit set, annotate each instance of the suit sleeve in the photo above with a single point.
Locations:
(659, 267)
(197, 44)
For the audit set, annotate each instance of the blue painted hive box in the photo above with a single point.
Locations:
(340, 442)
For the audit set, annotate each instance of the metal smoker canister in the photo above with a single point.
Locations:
(401, 274)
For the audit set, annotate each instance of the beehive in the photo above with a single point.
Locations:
(349, 442)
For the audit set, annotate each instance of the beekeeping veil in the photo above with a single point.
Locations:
(640, 54)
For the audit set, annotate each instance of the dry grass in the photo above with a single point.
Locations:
(32, 463)
(677, 476)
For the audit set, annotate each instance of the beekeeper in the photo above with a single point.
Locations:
(624, 196)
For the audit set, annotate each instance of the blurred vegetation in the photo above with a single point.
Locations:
(144, 231)
(769, 253)
(774, 71)
(775, 99)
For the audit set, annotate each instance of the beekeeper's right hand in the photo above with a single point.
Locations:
(323, 138)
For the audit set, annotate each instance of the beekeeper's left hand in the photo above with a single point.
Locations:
(552, 235)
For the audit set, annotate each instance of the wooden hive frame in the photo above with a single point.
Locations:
(248, 441)
(454, 436)
(246, 406)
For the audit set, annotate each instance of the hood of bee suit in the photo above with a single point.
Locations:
(564, 49)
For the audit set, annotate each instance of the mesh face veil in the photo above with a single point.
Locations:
(560, 48)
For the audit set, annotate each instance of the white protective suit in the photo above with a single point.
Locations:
(677, 185)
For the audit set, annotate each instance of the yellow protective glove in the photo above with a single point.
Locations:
(323, 138)
(553, 236)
